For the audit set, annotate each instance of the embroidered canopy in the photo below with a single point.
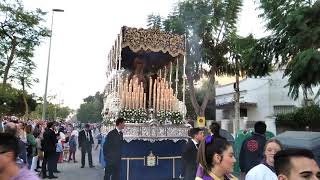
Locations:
(153, 40)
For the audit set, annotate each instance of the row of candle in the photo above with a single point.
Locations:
(132, 95)
(161, 97)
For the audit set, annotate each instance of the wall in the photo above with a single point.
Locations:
(266, 92)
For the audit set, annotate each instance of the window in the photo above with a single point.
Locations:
(243, 112)
(283, 109)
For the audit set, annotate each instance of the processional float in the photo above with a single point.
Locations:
(146, 85)
(146, 79)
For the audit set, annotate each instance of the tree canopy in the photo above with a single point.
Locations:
(91, 109)
(209, 27)
(20, 32)
(55, 112)
(294, 43)
(12, 101)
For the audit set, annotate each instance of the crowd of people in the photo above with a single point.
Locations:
(34, 148)
(213, 158)
(38, 146)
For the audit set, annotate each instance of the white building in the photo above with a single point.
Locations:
(260, 100)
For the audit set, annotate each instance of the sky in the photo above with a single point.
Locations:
(86, 31)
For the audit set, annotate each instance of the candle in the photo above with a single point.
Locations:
(177, 80)
(141, 95)
(170, 75)
(150, 91)
(144, 100)
(141, 100)
(137, 97)
(165, 73)
(129, 100)
(154, 94)
(167, 100)
(158, 96)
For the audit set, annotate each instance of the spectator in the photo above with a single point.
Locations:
(251, 153)
(72, 148)
(39, 151)
(85, 140)
(215, 130)
(31, 145)
(22, 131)
(9, 150)
(296, 164)
(216, 160)
(48, 145)
(1, 126)
(99, 139)
(11, 128)
(66, 147)
(59, 150)
(189, 156)
(265, 170)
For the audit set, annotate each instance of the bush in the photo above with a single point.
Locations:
(301, 118)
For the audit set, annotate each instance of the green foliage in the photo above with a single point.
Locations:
(20, 32)
(154, 21)
(11, 101)
(208, 26)
(301, 118)
(23, 73)
(54, 112)
(91, 109)
(294, 42)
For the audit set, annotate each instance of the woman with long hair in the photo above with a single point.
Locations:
(216, 160)
(265, 170)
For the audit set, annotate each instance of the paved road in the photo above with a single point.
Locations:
(72, 171)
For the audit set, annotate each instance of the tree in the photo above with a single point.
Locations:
(91, 109)
(12, 101)
(240, 50)
(23, 71)
(294, 42)
(55, 112)
(208, 26)
(154, 21)
(20, 32)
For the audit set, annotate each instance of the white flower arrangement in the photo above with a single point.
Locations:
(173, 116)
(134, 115)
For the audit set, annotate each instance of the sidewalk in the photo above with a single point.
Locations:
(72, 171)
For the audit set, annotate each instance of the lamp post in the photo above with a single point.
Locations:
(48, 66)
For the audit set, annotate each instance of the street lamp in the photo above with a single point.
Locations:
(48, 65)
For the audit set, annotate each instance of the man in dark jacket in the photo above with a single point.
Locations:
(189, 155)
(85, 140)
(112, 151)
(48, 145)
(251, 153)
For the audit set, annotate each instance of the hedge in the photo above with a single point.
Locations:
(301, 118)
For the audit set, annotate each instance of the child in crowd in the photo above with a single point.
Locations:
(72, 148)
